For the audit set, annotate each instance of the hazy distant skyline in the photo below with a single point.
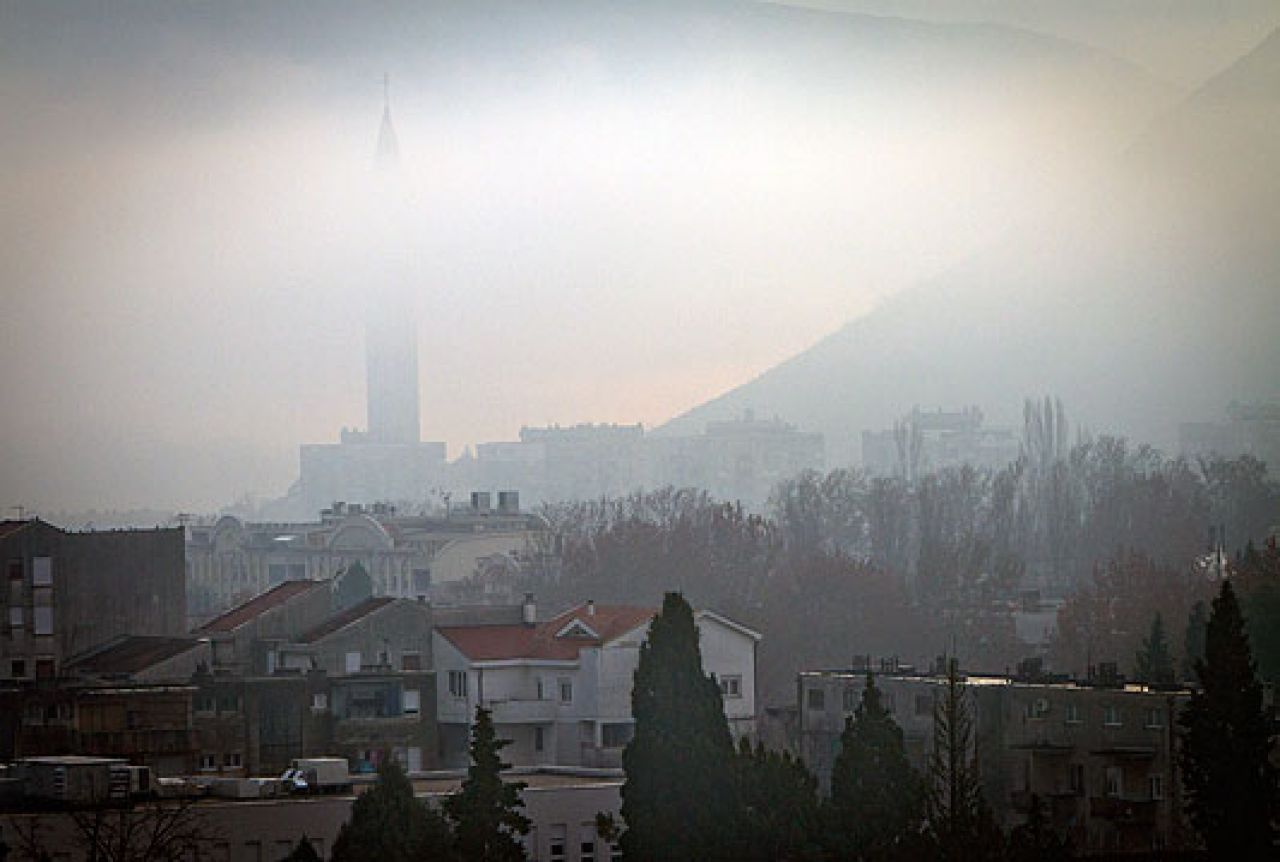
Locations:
(614, 215)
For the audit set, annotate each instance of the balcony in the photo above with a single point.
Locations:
(595, 757)
(518, 711)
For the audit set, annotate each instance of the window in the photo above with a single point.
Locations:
(42, 621)
(1111, 715)
(15, 569)
(353, 662)
(1073, 713)
(1155, 718)
(850, 699)
(410, 661)
(276, 573)
(1038, 708)
(541, 693)
(587, 845)
(731, 686)
(817, 699)
(42, 571)
(228, 702)
(319, 701)
(1077, 778)
(204, 703)
(16, 619)
(566, 691)
(1155, 784)
(412, 701)
(538, 739)
(45, 668)
(208, 762)
(232, 760)
(1114, 782)
(458, 683)
(18, 668)
(559, 843)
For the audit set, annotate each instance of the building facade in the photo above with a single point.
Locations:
(295, 675)
(68, 592)
(923, 441)
(1100, 758)
(406, 556)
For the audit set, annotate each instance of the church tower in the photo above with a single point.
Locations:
(391, 333)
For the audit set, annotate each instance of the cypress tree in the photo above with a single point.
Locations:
(1230, 782)
(780, 813)
(1154, 662)
(1194, 641)
(877, 799)
(389, 825)
(679, 800)
(486, 813)
(961, 826)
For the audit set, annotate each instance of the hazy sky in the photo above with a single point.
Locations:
(609, 211)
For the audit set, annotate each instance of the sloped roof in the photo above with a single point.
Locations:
(131, 654)
(540, 641)
(258, 605)
(8, 528)
(345, 618)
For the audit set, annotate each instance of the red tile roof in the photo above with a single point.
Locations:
(345, 618)
(258, 605)
(497, 643)
(131, 654)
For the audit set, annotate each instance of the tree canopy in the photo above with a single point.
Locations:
(1230, 782)
(680, 798)
(876, 807)
(388, 824)
(485, 813)
(961, 825)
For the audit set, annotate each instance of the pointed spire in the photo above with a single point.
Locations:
(388, 152)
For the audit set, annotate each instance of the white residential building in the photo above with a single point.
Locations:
(560, 689)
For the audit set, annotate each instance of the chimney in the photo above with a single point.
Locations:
(528, 610)
(591, 607)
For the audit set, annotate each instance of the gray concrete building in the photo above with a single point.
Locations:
(66, 593)
(1100, 757)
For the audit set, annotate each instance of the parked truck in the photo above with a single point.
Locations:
(317, 775)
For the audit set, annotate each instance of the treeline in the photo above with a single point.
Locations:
(815, 609)
(1133, 606)
(846, 564)
(1056, 513)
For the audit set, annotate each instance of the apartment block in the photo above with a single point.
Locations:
(1099, 757)
(66, 593)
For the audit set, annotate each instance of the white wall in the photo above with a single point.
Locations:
(727, 651)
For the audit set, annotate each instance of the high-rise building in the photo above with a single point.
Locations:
(388, 461)
(391, 336)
